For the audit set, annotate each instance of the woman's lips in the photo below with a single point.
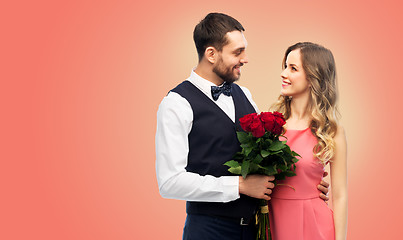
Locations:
(284, 83)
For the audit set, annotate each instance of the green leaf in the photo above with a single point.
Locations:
(248, 150)
(236, 170)
(252, 155)
(253, 168)
(238, 156)
(271, 170)
(258, 159)
(232, 164)
(295, 154)
(286, 156)
(277, 145)
(260, 166)
(264, 153)
(245, 145)
(287, 149)
(282, 167)
(245, 168)
(243, 137)
(280, 176)
(277, 152)
(290, 173)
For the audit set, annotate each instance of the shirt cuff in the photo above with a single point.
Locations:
(231, 188)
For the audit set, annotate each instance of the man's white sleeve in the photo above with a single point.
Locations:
(174, 122)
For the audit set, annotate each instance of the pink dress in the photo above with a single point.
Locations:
(301, 214)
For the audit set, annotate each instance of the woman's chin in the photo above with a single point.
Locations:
(284, 93)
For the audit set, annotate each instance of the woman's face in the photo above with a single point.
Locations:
(294, 79)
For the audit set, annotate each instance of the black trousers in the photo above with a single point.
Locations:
(202, 227)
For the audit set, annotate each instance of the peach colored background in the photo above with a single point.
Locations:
(77, 123)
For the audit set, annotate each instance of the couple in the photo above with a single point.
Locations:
(196, 134)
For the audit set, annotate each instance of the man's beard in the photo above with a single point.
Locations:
(225, 73)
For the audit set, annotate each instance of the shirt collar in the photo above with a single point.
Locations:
(203, 84)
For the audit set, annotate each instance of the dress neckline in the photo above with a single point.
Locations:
(298, 129)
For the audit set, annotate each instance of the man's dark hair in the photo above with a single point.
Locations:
(211, 32)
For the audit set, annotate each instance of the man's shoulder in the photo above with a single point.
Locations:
(183, 85)
(173, 98)
(175, 106)
(248, 95)
(245, 90)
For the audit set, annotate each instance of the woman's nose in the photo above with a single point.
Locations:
(284, 73)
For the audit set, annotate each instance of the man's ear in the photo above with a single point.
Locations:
(211, 54)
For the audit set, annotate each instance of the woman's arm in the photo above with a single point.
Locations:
(338, 174)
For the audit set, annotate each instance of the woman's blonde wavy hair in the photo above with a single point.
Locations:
(320, 69)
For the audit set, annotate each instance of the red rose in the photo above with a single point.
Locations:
(279, 115)
(268, 120)
(257, 128)
(279, 123)
(278, 129)
(246, 121)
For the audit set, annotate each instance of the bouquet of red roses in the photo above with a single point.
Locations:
(263, 153)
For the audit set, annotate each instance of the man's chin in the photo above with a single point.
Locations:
(230, 79)
(236, 79)
(233, 79)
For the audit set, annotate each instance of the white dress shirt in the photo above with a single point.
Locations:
(174, 123)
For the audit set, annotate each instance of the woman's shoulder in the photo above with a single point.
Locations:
(340, 136)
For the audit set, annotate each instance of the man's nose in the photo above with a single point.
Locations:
(244, 59)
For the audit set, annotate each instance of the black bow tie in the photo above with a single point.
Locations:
(225, 89)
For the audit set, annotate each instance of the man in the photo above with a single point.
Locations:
(196, 134)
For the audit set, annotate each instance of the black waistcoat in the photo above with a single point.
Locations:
(212, 142)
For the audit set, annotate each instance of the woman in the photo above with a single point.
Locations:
(308, 102)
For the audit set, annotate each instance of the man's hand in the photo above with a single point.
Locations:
(324, 188)
(256, 186)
